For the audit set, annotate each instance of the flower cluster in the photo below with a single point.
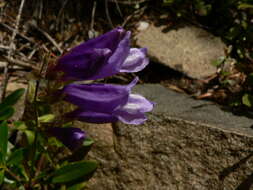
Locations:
(98, 58)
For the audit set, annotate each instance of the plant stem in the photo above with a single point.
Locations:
(34, 148)
(12, 174)
(36, 127)
(39, 167)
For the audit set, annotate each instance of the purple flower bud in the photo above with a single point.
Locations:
(101, 57)
(103, 103)
(71, 137)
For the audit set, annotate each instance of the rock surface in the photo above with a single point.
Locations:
(185, 144)
(188, 49)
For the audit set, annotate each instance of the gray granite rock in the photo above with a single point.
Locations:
(185, 144)
(188, 49)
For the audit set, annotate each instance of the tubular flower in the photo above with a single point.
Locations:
(103, 103)
(71, 137)
(101, 57)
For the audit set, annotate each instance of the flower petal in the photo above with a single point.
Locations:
(116, 59)
(92, 117)
(89, 61)
(108, 40)
(136, 60)
(71, 137)
(83, 66)
(137, 103)
(102, 98)
(133, 111)
(134, 119)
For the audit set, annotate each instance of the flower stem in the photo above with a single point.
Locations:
(34, 147)
(12, 174)
(36, 127)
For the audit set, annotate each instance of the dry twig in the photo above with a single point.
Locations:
(11, 50)
(118, 8)
(20, 63)
(2, 47)
(139, 11)
(93, 16)
(129, 2)
(108, 14)
(17, 32)
(60, 15)
(51, 40)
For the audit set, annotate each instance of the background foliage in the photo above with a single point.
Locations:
(232, 21)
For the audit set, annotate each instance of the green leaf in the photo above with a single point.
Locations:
(20, 171)
(3, 140)
(1, 176)
(88, 142)
(168, 1)
(46, 118)
(54, 142)
(247, 100)
(245, 6)
(31, 91)
(76, 186)
(12, 98)
(6, 113)
(233, 32)
(16, 157)
(30, 136)
(218, 61)
(11, 183)
(19, 125)
(74, 171)
(225, 73)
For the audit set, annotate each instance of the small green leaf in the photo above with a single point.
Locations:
(218, 61)
(19, 125)
(30, 136)
(88, 142)
(6, 113)
(12, 98)
(233, 32)
(1, 176)
(225, 73)
(247, 100)
(31, 90)
(245, 6)
(168, 1)
(235, 103)
(54, 142)
(46, 118)
(79, 186)
(11, 182)
(16, 157)
(3, 140)
(74, 171)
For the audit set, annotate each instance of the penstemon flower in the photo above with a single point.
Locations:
(103, 103)
(98, 58)
(101, 57)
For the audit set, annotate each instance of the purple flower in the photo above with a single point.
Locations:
(71, 137)
(103, 103)
(101, 57)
